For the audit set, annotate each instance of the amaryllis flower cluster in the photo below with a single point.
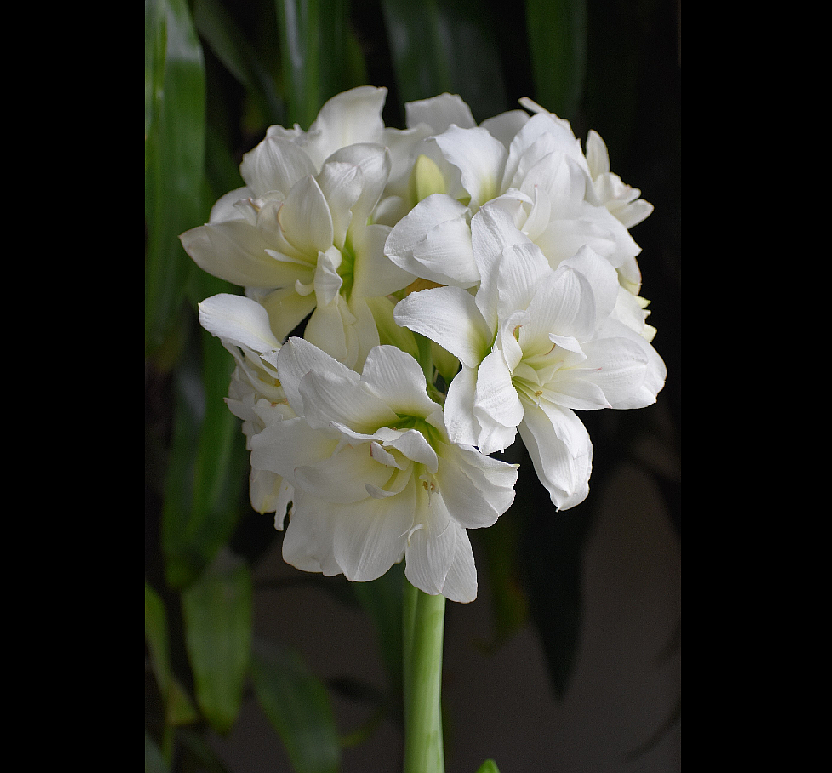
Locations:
(413, 300)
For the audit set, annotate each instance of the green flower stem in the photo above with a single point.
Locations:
(424, 628)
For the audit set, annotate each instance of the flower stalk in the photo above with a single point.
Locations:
(424, 626)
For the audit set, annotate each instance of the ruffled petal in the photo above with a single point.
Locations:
(237, 251)
(477, 489)
(274, 166)
(307, 544)
(461, 579)
(448, 316)
(346, 119)
(305, 219)
(433, 241)
(440, 113)
(343, 477)
(285, 446)
(397, 379)
(368, 538)
(329, 398)
(496, 404)
(296, 358)
(561, 452)
(460, 421)
(238, 321)
(480, 159)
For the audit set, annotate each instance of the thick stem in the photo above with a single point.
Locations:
(424, 627)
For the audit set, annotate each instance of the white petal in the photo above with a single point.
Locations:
(602, 279)
(415, 446)
(305, 219)
(307, 544)
(439, 113)
(370, 537)
(476, 488)
(618, 367)
(563, 305)
(496, 405)
(641, 388)
(331, 328)
(328, 398)
(269, 493)
(397, 379)
(374, 274)
(352, 180)
(493, 230)
(570, 389)
(347, 118)
(275, 165)
(237, 251)
(239, 321)
(343, 477)
(296, 358)
(446, 217)
(537, 126)
(232, 206)
(431, 549)
(563, 238)
(444, 256)
(505, 126)
(564, 471)
(450, 317)
(460, 421)
(597, 156)
(520, 273)
(286, 309)
(461, 579)
(479, 157)
(284, 446)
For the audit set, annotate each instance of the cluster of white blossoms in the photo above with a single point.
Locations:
(454, 284)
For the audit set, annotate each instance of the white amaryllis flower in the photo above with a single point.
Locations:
(536, 344)
(415, 175)
(300, 237)
(254, 395)
(349, 118)
(537, 168)
(376, 478)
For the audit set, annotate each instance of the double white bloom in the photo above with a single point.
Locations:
(376, 477)
(522, 242)
(536, 344)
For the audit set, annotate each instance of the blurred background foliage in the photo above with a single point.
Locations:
(217, 74)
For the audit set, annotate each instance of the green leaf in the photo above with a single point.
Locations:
(207, 464)
(179, 709)
(298, 706)
(415, 36)
(174, 160)
(557, 44)
(239, 56)
(446, 45)
(489, 766)
(314, 45)
(217, 613)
